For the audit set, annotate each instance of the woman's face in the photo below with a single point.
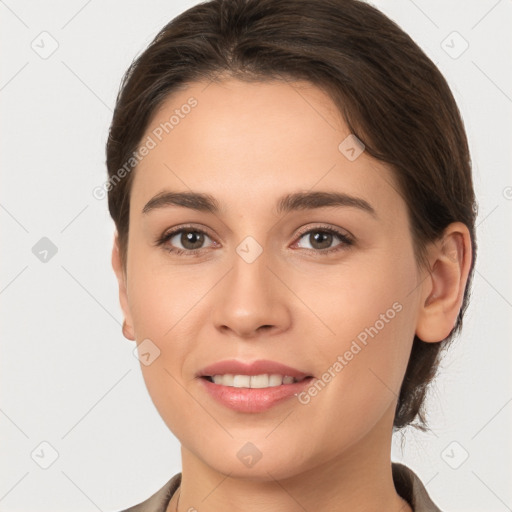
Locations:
(261, 278)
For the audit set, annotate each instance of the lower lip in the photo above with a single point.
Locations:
(253, 400)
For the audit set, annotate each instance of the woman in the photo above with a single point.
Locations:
(292, 193)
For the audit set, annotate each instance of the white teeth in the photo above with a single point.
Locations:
(225, 380)
(242, 381)
(252, 381)
(217, 379)
(275, 380)
(259, 381)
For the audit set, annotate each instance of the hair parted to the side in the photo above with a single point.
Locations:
(389, 93)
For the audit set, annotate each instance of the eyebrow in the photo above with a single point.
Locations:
(290, 202)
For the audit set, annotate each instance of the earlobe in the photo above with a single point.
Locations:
(444, 286)
(117, 265)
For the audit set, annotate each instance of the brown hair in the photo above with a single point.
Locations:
(390, 94)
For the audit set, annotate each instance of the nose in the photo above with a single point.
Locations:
(252, 300)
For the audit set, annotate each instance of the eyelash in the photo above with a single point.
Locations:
(346, 240)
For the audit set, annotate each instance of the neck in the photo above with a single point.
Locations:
(357, 479)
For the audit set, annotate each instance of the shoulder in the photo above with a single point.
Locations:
(411, 488)
(158, 502)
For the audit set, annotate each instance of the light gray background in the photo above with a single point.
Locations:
(69, 378)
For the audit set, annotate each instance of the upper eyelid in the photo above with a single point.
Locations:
(335, 230)
(179, 229)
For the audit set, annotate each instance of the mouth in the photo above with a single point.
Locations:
(252, 386)
(253, 393)
(261, 381)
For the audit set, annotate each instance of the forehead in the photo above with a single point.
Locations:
(242, 141)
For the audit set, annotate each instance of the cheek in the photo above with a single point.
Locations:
(162, 298)
(351, 298)
(371, 314)
(167, 306)
(362, 366)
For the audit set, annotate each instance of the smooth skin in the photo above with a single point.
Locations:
(248, 144)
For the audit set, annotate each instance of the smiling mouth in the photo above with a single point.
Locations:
(253, 381)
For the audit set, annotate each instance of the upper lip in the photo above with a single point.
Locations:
(259, 367)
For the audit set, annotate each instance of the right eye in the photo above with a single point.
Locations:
(190, 238)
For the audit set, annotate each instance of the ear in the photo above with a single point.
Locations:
(117, 265)
(443, 287)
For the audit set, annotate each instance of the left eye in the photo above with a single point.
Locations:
(320, 239)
